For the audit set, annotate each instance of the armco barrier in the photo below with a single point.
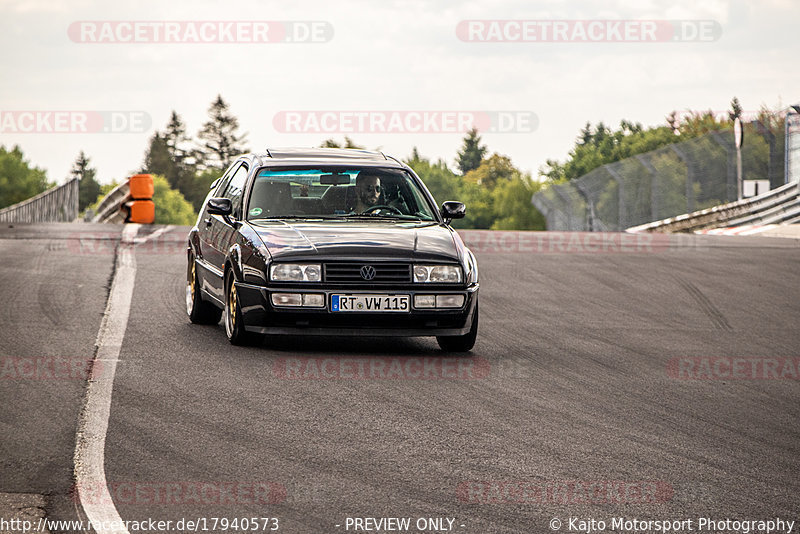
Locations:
(59, 204)
(131, 201)
(781, 205)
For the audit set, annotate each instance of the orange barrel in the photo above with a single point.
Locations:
(142, 211)
(141, 186)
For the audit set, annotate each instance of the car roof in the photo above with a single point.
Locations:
(326, 156)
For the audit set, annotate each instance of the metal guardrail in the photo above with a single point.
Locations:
(777, 206)
(58, 204)
(110, 208)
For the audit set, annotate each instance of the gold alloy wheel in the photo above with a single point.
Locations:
(190, 290)
(232, 301)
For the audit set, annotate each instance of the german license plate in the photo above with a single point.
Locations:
(370, 303)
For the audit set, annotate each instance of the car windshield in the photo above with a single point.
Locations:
(359, 193)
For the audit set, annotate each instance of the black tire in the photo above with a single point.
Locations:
(234, 325)
(461, 343)
(199, 311)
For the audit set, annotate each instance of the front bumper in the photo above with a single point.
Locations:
(260, 316)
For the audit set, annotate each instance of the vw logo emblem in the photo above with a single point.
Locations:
(368, 272)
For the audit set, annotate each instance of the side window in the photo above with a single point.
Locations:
(226, 178)
(236, 187)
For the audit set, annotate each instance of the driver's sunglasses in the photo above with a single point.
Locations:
(375, 188)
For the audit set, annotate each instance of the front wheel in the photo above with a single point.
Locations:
(462, 343)
(199, 311)
(234, 322)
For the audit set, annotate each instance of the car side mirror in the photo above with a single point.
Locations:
(453, 210)
(219, 206)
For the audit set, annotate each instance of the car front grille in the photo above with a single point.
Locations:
(392, 273)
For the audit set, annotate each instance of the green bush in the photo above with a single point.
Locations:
(171, 206)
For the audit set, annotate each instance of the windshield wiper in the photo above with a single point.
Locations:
(381, 216)
(278, 217)
(371, 216)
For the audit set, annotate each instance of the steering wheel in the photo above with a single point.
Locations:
(379, 207)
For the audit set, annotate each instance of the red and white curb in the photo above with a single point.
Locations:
(750, 229)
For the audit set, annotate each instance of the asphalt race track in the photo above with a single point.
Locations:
(650, 379)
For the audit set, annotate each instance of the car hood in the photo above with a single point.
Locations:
(357, 240)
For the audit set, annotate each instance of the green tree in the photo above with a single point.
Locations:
(157, 159)
(441, 182)
(506, 193)
(186, 163)
(202, 184)
(176, 139)
(491, 171)
(513, 207)
(471, 153)
(697, 123)
(88, 187)
(480, 207)
(599, 145)
(709, 162)
(185, 160)
(18, 179)
(171, 206)
(445, 185)
(104, 190)
(736, 109)
(168, 154)
(221, 141)
(497, 194)
(673, 122)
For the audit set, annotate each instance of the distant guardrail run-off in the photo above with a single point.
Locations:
(58, 204)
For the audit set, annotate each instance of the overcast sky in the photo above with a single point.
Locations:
(380, 57)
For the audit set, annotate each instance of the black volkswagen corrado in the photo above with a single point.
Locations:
(330, 242)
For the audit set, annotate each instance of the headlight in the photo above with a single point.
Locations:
(295, 272)
(437, 273)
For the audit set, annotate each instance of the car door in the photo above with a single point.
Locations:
(222, 234)
(206, 252)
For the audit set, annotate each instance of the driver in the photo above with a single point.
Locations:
(368, 191)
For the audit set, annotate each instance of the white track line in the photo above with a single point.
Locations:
(157, 233)
(90, 444)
